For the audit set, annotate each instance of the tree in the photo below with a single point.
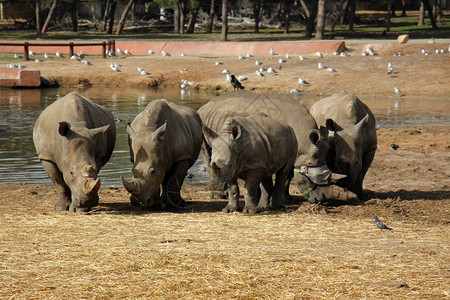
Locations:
(38, 17)
(388, 18)
(212, 16)
(75, 15)
(124, 17)
(320, 19)
(257, 9)
(311, 19)
(49, 16)
(338, 15)
(192, 20)
(427, 5)
(224, 33)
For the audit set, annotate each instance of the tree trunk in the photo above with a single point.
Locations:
(49, 17)
(287, 16)
(106, 13)
(403, 8)
(192, 21)
(430, 13)
(212, 16)
(75, 16)
(304, 7)
(338, 15)
(257, 6)
(224, 33)
(421, 15)
(182, 16)
(176, 18)
(38, 17)
(312, 17)
(352, 14)
(124, 17)
(438, 11)
(344, 16)
(112, 16)
(388, 17)
(320, 19)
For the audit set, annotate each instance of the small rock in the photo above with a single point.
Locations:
(403, 39)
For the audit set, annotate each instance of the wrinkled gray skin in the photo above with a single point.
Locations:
(352, 136)
(312, 142)
(165, 140)
(253, 148)
(74, 137)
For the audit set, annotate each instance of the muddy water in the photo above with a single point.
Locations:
(19, 110)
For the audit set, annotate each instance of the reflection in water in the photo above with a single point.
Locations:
(19, 110)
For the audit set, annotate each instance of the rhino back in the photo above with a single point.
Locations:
(344, 109)
(76, 110)
(282, 108)
(184, 128)
(266, 143)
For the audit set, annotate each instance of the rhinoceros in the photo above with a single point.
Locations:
(74, 137)
(312, 142)
(353, 138)
(165, 140)
(253, 148)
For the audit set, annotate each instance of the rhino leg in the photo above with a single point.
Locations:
(281, 189)
(251, 188)
(233, 196)
(172, 185)
(266, 191)
(63, 190)
(366, 161)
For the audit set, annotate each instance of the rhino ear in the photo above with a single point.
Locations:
(314, 137)
(130, 130)
(324, 131)
(332, 125)
(209, 133)
(158, 134)
(362, 123)
(236, 132)
(64, 128)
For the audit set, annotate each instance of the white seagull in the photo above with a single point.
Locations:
(225, 71)
(272, 71)
(271, 52)
(75, 57)
(258, 63)
(331, 70)
(31, 53)
(241, 57)
(318, 54)
(295, 91)
(17, 56)
(397, 91)
(120, 51)
(143, 72)
(249, 55)
(86, 62)
(242, 78)
(302, 81)
(218, 63)
(46, 56)
(127, 52)
(259, 73)
(151, 51)
(59, 54)
(302, 58)
(281, 61)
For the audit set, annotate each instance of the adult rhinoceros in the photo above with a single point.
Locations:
(253, 148)
(353, 138)
(165, 140)
(312, 142)
(74, 137)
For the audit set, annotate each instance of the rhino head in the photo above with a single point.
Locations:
(79, 167)
(225, 155)
(148, 151)
(310, 169)
(345, 155)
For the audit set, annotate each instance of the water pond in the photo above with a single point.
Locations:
(20, 108)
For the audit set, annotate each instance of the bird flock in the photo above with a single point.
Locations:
(263, 69)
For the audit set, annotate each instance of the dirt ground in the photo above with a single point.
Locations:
(331, 251)
(414, 73)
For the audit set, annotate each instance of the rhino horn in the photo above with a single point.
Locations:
(335, 177)
(131, 187)
(98, 130)
(92, 188)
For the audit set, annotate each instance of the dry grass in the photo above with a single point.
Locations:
(305, 252)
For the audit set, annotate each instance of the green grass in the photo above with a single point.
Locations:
(373, 27)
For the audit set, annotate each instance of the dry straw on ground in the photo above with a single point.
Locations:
(304, 252)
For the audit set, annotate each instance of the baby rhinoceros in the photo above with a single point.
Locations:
(165, 140)
(253, 148)
(74, 137)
